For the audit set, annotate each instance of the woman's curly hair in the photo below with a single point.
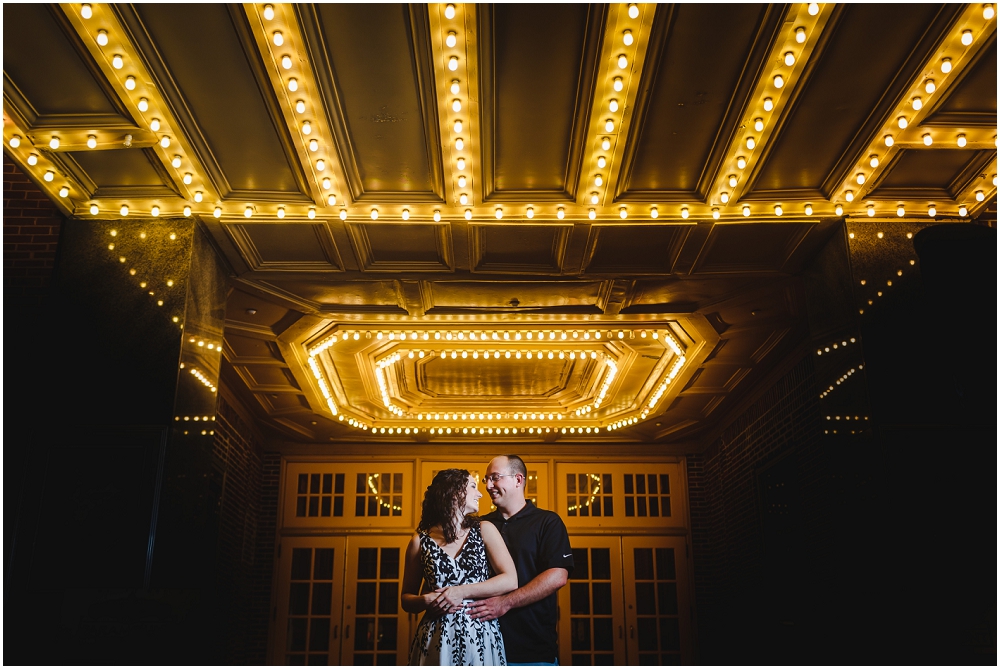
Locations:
(444, 496)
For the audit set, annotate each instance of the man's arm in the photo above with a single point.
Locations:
(534, 590)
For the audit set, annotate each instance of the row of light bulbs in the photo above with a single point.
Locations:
(455, 47)
(844, 343)
(849, 373)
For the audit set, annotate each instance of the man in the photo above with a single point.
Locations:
(539, 544)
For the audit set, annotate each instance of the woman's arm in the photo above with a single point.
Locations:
(411, 599)
(506, 574)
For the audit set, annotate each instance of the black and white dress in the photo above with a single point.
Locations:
(455, 639)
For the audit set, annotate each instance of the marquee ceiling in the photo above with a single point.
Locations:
(506, 169)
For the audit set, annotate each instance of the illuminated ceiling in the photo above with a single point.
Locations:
(445, 169)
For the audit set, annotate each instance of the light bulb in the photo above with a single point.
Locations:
(741, 162)
(331, 199)
(633, 11)
(746, 210)
(451, 40)
(860, 178)
(94, 210)
(460, 163)
(684, 212)
(343, 214)
(724, 197)
(871, 210)
(946, 65)
(627, 38)
(839, 210)
(849, 195)
(929, 86)
(778, 211)
(217, 212)
(468, 214)
(463, 199)
(980, 196)
(789, 58)
(165, 141)
(598, 180)
(312, 212)
(758, 124)
(102, 37)
(499, 213)
(961, 140)
(809, 210)
(281, 212)
(609, 125)
(623, 212)
(900, 211)
(988, 11)
(306, 128)
(154, 125)
(293, 84)
(300, 106)
(455, 88)
(733, 181)
(64, 192)
(932, 211)
(462, 181)
(130, 83)
(198, 197)
(928, 140)
(268, 12)
(143, 104)
(779, 81)
(902, 122)
(456, 105)
(768, 104)
(595, 198)
(560, 213)
(592, 214)
(320, 165)
(751, 143)
(889, 140)
(286, 62)
(54, 143)
(917, 103)
(715, 213)
(622, 62)
(963, 211)
(453, 63)
(91, 142)
(530, 212)
(374, 214)
(605, 143)
(49, 175)
(800, 35)
(314, 145)
(117, 62)
(813, 8)
(458, 126)
(966, 37)
(618, 84)
(278, 38)
(613, 105)
(86, 11)
(459, 144)
(437, 215)
(449, 11)
(248, 212)
(15, 141)
(654, 212)
(873, 160)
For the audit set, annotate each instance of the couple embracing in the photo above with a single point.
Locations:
(487, 586)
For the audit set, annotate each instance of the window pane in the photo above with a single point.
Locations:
(297, 633)
(362, 484)
(580, 564)
(601, 567)
(579, 598)
(630, 506)
(602, 598)
(645, 600)
(571, 484)
(645, 629)
(581, 633)
(665, 511)
(609, 507)
(327, 484)
(338, 506)
(338, 486)
(397, 483)
(359, 506)
(314, 506)
(387, 635)
(325, 507)
(364, 637)
(604, 638)
(300, 507)
(596, 506)
(303, 483)
(629, 488)
(301, 563)
(641, 504)
(314, 484)
(324, 564)
(372, 507)
(640, 484)
(397, 505)
(322, 594)
(388, 593)
(667, 596)
(643, 558)
(367, 561)
(298, 599)
(670, 635)
(652, 484)
(390, 563)
(665, 564)
(364, 599)
(319, 634)
(665, 484)
(386, 480)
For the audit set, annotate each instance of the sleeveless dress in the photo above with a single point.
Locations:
(455, 639)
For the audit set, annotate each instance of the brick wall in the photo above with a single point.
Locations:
(31, 227)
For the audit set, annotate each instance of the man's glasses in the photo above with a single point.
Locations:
(496, 477)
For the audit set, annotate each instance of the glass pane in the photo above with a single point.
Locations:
(397, 483)
(319, 634)
(364, 637)
(601, 567)
(654, 506)
(359, 505)
(388, 593)
(322, 593)
(665, 501)
(585, 506)
(362, 486)
(665, 484)
(313, 506)
(645, 629)
(648, 659)
(314, 484)
(297, 633)
(581, 567)
(606, 484)
(298, 599)
(643, 558)
(652, 485)
(604, 660)
(629, 488)
(581, 660)
(571, 484)
(338, 485)
(386, 483)
(581, 633)
(670, 660)
(665, 564)
(640, 484)
(300, 507)
(645, 600)
(301, 561)
(386, 660)
(670, 634)
(367, 562)
(595, 508)
(327, 484)
(609, 508)
(571, 506)
(641, 504)
(630, 506)
(303, 483)
(667, 596)
(323, 571)
(365, 598)
(325, 507)
(531, 488)
(390, 563)
(602, 598)
(579, 598)
(318, 660)
(383, 507)
(338, 506)
(364, 659)
(604, 638)
(397, 505)
(372, 507)
(387, 632)
(296, 660)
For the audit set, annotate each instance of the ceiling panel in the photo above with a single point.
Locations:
(518, 296)
(973, 101)
(532, 57)
(856, 76)
(373, 62)
(121, 173)
(211, 60)
(247, 348)
(286, 246)
(934, 173)
(518, 248)
(399, 247)
(750, 247)
(692, 96)
(346, 296)
(448, 379)
(635, 249)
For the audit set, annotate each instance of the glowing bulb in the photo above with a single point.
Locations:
(733, 181)
(463, 199)
(654, 212)
(609, 125)
(746, 210)
(627, 38)
(64, 192)
(130, 83)
(963, 211)
(633, 11)
(300, 106)
(724, 196)
(499, 213)
(902, 122)
(286, 62)
(592, 214)
(560, 213)
(188, 178)
(809, 210)
(320, 165)
(980, 196)
(268, 12)
(15, 141)
(437, 215)
(932, 211)
(459, 144)
(86, 11)
(374, 214)
(871, 210)
(217, 212)
(606, 143)
(306, 128)
(406, 215)
(530, 212)
(778, 211)
(613, 105)
(462, 181)
(312, 212)
(768, 104)
(946, 65)
(684, 212)
(154, 125)
(91, 142)
(967, 37)
(889, 140)
(962, 141)
(117, 62)
(900, 211)
(331, 199)
(455, 88)
(32, 158)
(849, 195)
(456, 105)
(278, 38)
(453, 63)
(623, 212)
(873, 160)
(343, 214)
(715, 213)
(102, 37)
(622, 62)
(751, 143)
(800, 35)
(94, 210)
(618, 84)
(928, 140)
(839, 210)
(929, 86)
(458, 126)
(449, 12)
(49, 175)
(860, 178)
(468, 214)
(917, 103)
(988, 11)
(248, 212)
(779, 81)
(451, 40)
(54, 143)
(598, 180)
(789, 58)
(293, 84)
(813, 8)
(314, 145)
(165, 141)
(741, 162)
(198, 197)
(281, 212)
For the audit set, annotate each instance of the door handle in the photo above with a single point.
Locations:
(335, 628)
(631, 632)
(347, 631)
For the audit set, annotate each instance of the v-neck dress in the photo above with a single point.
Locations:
(455, 639)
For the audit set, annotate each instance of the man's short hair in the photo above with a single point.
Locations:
(516, 465)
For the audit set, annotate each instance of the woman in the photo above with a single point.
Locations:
(454, 555)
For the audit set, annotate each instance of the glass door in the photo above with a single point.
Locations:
(658, 610)
(591, 615)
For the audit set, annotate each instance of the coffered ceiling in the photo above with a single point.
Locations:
(436, 171)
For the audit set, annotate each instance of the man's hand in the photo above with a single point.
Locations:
(488, 609)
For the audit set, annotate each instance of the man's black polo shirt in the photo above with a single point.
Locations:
(537, 540)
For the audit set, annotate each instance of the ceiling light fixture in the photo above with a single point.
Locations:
(453, 63)
(560, 213)
(217, 212)
(86, 11)
(889, 140)
(117, 62)
(49, 175)
(592, 214)
(268, 12)
(622, 62)
(838, 210)
(459, 144)
(654, 212)
(813, 8)
(724, 197)
(198, 197)
(54, 143)
(768, 104)
(286, 62)
(988, 11)
(293, 84)
(14, 141)
(741, 162)
(278, 38)
(452, 39)
(102, 37)
(32, 159)
(980, 196)
(94, 210)
(281, 212)
(468, 214)
(437, 215)
(627, 38)
(64, 192)
(873, 161)
(746, 210)
(715, 213)
(449, 12)
(605, 143)
(751, 143)
(779, 81)
(932, 211)
(860, 178)
(633, 11)
(800, 34)
(963, 211)
(314, 146)
(613, 105)
(758, 124)
(871, 210)
(849, 195)
(966, 37)
(529, 212)
(789, 58)
(809, 210)
(917, 103)
(458, 126)
(778, 211)
(300, 106)
(961, 141)
(928, 140)
(684, 212)
(929, 86)
(91, 141)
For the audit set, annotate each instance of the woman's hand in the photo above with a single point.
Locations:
(446, 600)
